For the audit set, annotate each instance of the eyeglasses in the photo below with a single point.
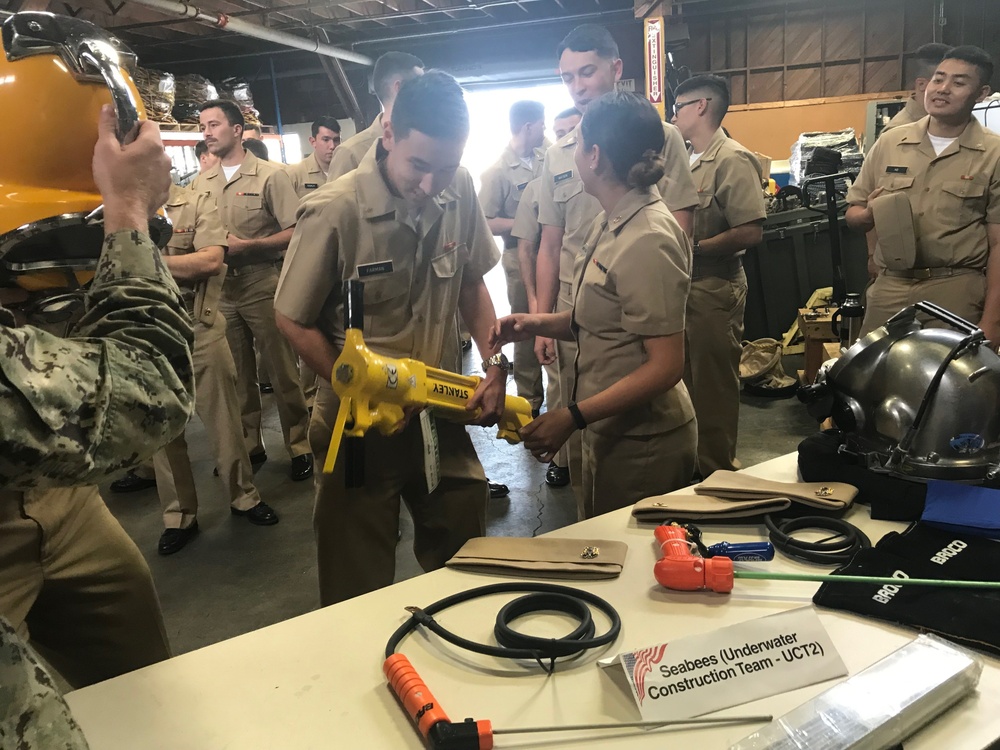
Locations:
(681, 105)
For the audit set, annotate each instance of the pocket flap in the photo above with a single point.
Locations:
(447, 264)
(567, 190)
(964, 189)
(898, 182)
(385, 287)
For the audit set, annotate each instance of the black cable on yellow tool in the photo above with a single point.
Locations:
(839, 548)
(438, 731)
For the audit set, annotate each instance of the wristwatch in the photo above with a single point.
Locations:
(498, 360)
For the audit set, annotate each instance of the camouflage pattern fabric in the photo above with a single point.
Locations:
(33, 714)
(79, 409)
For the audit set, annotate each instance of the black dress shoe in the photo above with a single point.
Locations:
(498, 490)
(132, 482)
(266, 388)
(302, 467)
(557, 476)
(259, 515)
(173, 540)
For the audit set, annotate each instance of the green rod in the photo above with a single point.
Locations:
(865, 579)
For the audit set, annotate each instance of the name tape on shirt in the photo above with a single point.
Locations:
(702, 673)
(562, 177)
(895, 170)
(374, 269)
(522, 186)
(311, 185)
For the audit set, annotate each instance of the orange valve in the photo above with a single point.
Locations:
(680, 570)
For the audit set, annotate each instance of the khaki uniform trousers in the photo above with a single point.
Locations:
(713, 336)
(571, 453)
(75, 584)
(527, 371)
(964, 294)
(619, 470)
(248, 304)
(356, 529)
(219, 410)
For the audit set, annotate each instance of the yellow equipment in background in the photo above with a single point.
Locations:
(55, 74)
(375, 391)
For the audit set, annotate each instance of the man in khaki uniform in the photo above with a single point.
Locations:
(502, 186)
(195, 258)
(391, 71)
(528, 232)
(418, 240)
(311, 172)
(257, 206)
(589, 65)
(936, 185)
(925, 62)
(728, 220)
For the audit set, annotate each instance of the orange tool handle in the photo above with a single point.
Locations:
(431, 720)
(680, 570)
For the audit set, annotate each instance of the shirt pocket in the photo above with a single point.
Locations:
(891, 183)
(567, 198)
(703, 223)
(449, 263)
(965, 199)
(249, 217)
(386, 303)
(181, 241)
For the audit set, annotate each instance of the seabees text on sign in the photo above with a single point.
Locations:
(703, 673)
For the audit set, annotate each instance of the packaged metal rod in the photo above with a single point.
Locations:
(879, 706)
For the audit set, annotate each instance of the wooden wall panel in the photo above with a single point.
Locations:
(918, 23)
(804, 36)
(701, 47)
(884, 28)
(738, 88)
(843, 32)
(718, 40)
(765, 87)
(841, 79)
(766, 40)
(737, 42)
(883, 75)
(803, 83)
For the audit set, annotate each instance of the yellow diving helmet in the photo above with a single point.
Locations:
(55, 74)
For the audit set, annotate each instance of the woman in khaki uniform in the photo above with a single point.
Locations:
(631, 285)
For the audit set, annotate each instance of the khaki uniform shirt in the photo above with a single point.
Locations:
(953, 196)
(349, 154)
(78, 410)
(728, 179)
(306, 175)
(632, 283)
(196, 226)
(526, 226)
(257, 202)
(912, 112)
(412, 268)
(504, 183)
(563, 202)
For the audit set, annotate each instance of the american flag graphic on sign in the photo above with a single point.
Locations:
(639, 663)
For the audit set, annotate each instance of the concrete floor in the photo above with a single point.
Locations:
(234, 577)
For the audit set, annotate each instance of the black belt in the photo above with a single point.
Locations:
(725, 269)
(928, 273)
(252, 267)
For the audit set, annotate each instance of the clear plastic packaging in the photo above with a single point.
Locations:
(879, 706)
(843, 141)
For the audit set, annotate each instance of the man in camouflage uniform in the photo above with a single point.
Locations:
(76, 411)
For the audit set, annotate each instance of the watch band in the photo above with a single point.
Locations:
(577, 415)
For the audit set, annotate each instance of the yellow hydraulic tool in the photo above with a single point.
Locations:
(375, 390)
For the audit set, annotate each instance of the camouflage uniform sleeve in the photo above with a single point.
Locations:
(33, 714)
(79, 409)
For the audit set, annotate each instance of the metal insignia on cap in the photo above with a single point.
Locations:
(824, 492)
(589, 553)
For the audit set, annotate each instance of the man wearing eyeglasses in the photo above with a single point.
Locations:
(728, 220)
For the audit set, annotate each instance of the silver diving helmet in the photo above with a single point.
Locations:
(920, 403)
